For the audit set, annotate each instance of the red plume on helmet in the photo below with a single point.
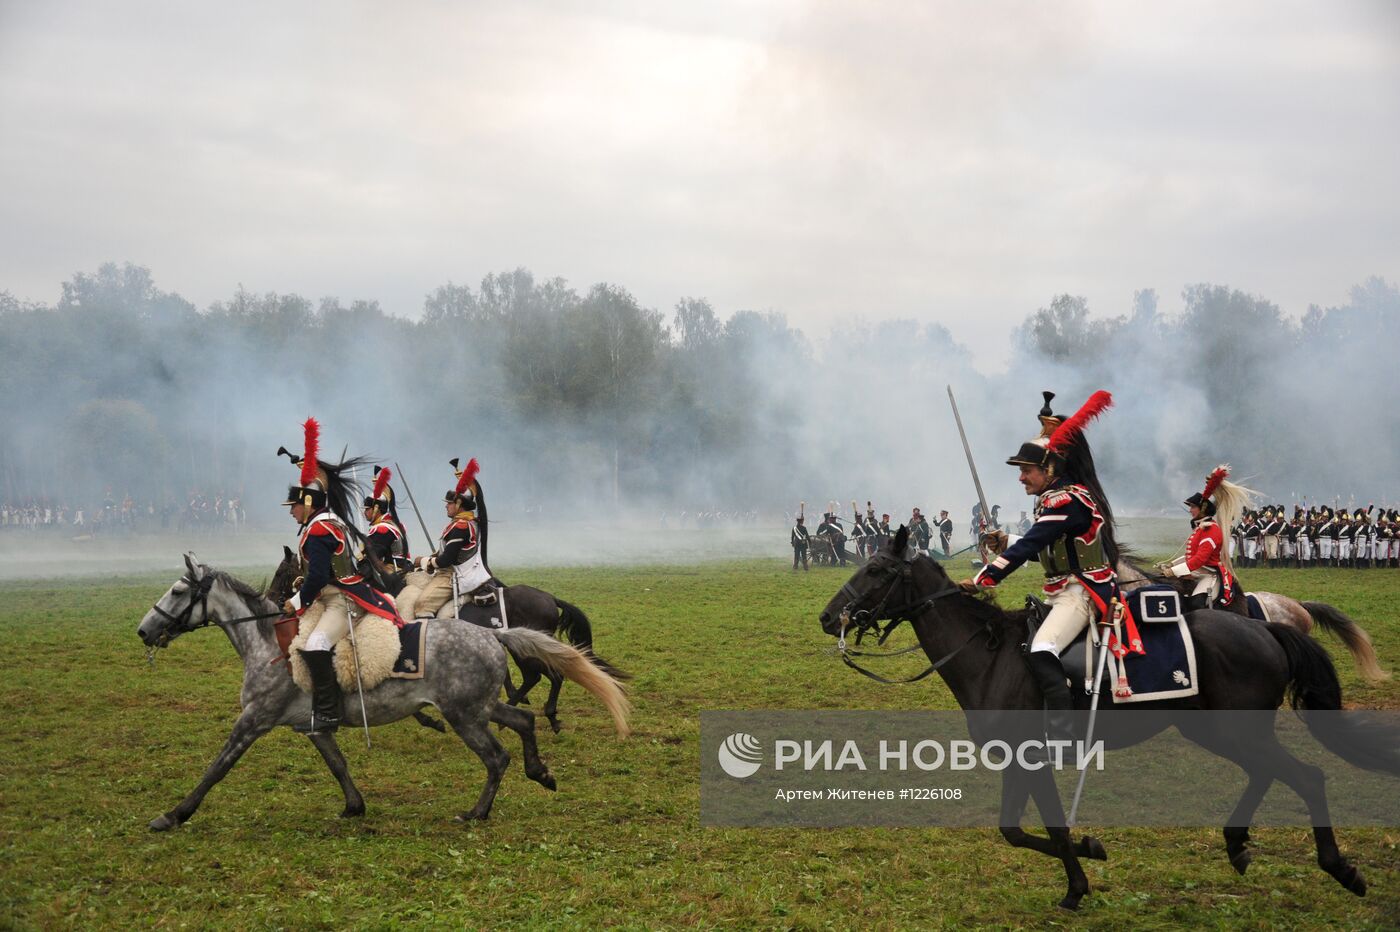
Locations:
(468, 475)
(1064, 435)
(1214, 480)
(312, 448)
(381, 482)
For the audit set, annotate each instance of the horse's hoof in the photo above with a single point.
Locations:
(353, 812)
(1071, 901)
(472, 816)
(1240, 861)
(1351, 879)
(163, 823)
(546, 780)
(1093, 849)
(554, 725)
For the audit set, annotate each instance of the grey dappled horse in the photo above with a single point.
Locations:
(1242, 664)
(529, 608)
(466, 666)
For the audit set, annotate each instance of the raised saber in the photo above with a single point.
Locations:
(421, 523)
(981, 496)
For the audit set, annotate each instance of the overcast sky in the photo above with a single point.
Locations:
(958, 162)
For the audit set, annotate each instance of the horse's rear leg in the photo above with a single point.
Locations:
(1264, 759)
(330, 753)
(471, 728)
(551, 705)
(522, 722)
(530, 671)
(427, 721)
(246, 730)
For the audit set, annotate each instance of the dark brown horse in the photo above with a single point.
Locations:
(1242, 664)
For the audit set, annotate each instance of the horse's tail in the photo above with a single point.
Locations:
(573, 664)
(1313, 687)
(574, 625)
(1334, 621)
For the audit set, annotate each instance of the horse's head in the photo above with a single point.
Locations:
(891, 581)
(280, 589)
(175, 612)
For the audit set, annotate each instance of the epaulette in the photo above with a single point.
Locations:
(321, 526)
(1056, 499)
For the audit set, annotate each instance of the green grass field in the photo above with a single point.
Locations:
(94, 744)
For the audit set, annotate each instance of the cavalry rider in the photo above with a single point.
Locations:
(457, 562)
(1206, 560)
(385, 553)
(1073, 538)
(330, 585)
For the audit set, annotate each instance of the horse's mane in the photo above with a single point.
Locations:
(984, 608)
(253, 600)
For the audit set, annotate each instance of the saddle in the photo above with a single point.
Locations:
(1167, 670)
(385, 652)
(485, 607)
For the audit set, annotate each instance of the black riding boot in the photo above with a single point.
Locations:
(1194, 603)
(1049, 675)
(325, 690)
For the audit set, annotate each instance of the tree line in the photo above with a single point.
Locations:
(590, 398)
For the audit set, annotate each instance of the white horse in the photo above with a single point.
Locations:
(466, 668)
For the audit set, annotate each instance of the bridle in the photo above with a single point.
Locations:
(866, 620)
(184, 622)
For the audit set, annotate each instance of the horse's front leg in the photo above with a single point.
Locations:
(330, 753)
(246, 730)
(1237, 828)
(1052, 813)
(1014, 795)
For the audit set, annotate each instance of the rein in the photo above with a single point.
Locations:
(866, 619)
(183, 623)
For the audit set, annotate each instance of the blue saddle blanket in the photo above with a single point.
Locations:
(412, 638)
(1167, 669)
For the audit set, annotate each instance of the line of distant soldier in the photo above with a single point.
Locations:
(827, 545)
(1365, 538)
